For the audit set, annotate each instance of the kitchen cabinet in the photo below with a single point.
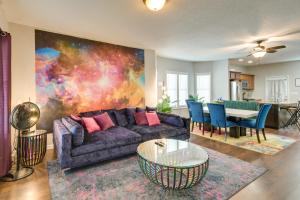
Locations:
(247, 81)
(234, 75)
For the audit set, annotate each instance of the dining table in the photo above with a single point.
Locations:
(236, 115)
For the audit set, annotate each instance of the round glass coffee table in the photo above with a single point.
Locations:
(173, 164)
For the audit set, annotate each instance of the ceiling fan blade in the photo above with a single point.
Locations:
(278, 47)
(270, 50)
(294, 35)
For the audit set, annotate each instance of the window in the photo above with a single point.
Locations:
(277, 88)
(203, 86)
(172, 88)
(177, 88)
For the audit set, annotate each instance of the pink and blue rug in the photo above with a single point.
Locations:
(123, 179)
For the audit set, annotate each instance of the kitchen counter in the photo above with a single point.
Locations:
(274, 118)
(284, 103)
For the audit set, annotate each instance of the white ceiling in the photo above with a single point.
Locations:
(194, 30)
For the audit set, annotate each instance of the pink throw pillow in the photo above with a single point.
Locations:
(140, 118)
(104, 121)
(152, 118)
(90, 124)
(76, 118)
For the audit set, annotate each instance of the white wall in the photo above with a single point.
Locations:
(23, 68)
(220, 80)
(166, 64)
(219, 76)
(243, 69)
(290, 69)
(3, 21)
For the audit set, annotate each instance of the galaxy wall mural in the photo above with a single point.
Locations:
(77, 75)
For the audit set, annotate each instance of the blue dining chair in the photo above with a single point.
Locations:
(218, 118)
(198, 115)
(259, 122)
(188, 101)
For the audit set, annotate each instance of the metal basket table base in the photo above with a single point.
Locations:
(172, 177)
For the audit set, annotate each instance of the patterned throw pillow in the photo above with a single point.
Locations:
(140, 118)
(152, 119)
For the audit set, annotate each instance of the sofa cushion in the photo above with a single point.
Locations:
(171, 119)
(90, 113)
(121, 117)
(104, 121)
(130, 115)
(114, 137)
(76, 130)
(138, 109)
(159, 131)
(140, 118)
(90, 124)
(151, 109)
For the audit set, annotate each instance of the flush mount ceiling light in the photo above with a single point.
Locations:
(154, 5)
(241, 60)
(250, 61)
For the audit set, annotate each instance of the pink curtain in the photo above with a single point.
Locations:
(5, 92)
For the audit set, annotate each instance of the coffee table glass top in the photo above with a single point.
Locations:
(173, 153)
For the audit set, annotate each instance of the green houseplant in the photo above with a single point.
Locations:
(164, 104)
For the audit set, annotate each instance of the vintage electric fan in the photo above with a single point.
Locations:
(23, 117)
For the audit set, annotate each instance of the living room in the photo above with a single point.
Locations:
(124, 99)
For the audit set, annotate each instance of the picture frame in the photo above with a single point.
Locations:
(297, 82)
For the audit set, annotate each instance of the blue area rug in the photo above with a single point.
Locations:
(123, 179)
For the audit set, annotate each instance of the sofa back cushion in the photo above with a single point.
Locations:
(104, 121)
(90, 124)
(90, 113)
(151, 109)
(121, 117)
(138, 109)
(140, 118)
(76, 130)
(152, 118)
(171, 119)
(130, 115)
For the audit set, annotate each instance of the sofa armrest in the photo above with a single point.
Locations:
(62, 139)
(186, 122)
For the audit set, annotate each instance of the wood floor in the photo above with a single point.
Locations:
(282, 181)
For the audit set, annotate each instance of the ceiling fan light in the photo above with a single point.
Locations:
(154, 5)
(259, 54)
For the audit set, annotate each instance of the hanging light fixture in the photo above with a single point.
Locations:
(154, 5)
(259, 54)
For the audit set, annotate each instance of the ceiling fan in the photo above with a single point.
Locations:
(260, 51)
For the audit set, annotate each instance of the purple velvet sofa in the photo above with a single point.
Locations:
(75, 148)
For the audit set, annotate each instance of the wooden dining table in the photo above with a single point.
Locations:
(237, 114)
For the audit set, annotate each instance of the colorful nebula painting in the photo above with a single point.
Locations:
(77, 75)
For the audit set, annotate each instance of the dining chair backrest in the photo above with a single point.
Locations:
(197, 111)
(262, 116)
(188, 101)
(217, 114)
